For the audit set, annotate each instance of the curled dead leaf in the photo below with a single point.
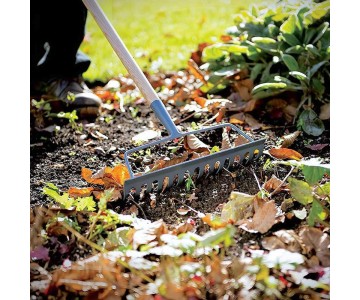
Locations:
(315, 239)
(192, 143)
(325, 111)
(80, 192)
(264, 217)
(238, 118)
(214, 221)
(289, 139)
(283, 239)
(285, 153)
(273, 183)
(195, 70)
(164, 163)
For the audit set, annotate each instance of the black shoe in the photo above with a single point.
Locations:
(74, 95)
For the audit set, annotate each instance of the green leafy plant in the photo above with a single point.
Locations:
(286, 48)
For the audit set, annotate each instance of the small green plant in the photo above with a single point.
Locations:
(285, 47)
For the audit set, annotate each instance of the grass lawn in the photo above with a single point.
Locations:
(160, 34)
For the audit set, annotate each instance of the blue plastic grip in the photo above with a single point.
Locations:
(162, 114)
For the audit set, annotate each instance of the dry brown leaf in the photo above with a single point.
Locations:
(225, 143)
(242, 90)
(80, 192)
(238, 118)
(325, 111)
(195, 155)
(164, 163)
(99, 275)
(249, 83)
(240, 140)
(251, 105)
(201, 101)
(264, 217)
(315, 239)
(273, 183)
(221, 114)
(285, 153)
(194, 69)
(165, 183)
(88, 176)
(289, 139)
(192, 143)
(120, 173)
(283, 239)
(252, 122)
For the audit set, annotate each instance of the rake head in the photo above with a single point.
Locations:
(212, 163)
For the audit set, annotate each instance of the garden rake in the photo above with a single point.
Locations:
(209, 163)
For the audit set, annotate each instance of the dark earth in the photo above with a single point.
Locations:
(58, 157)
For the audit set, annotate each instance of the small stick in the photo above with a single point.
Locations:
(282, 183)
(257, 180)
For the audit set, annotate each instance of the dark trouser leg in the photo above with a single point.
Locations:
(60, 25)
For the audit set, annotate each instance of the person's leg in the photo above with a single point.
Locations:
(57, 30)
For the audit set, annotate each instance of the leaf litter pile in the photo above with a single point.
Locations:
(249, 231)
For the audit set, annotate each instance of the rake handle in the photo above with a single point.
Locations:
(132, 67)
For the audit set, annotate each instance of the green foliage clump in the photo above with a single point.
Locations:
(286, 47)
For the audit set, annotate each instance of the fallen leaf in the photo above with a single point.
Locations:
(252, 122)
(242, 90)
(221, 114)
(146, 136)
(194, 69)
(240, 140)
(285, 153)
(325, 111)
(120, 173)
(283, 239)
(40, 253)
(225, 143)
(87, 174)
(92, 276)
(249, 83)
(317, 147)
(238, 118)
(191, 142)
(239, 207)
(182, 211)
(289, 139)
(273, 183)
(75, 192)
(201, 101)
(164, 163)
(214, 221)
(315, 239)
(264, 217)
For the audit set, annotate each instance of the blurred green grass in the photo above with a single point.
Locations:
(159, 34)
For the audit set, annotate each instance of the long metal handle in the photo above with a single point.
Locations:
(120, 49)
(132, 67)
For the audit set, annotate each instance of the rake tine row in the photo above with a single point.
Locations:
(225, 158)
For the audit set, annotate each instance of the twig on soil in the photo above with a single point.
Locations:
(257, 180)
(138, 206)
(210, 120)
(282, 182)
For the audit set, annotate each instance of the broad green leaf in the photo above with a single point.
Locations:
(285, 80)
(268, 85)
(289, 25)
(236, 49)
(273, 30)
(309, 34)
(313, 174)
(300, 191)
(253, 53)
(290, 62)
(315, 68)
(310, 123)
(218, 236)
(291, 39)
(320, 32)
(212, 52)
(265, 43)
(299, 75)
(323, 190)
(255, 71)
(317, 213)
(320, 10)
(312, 49)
